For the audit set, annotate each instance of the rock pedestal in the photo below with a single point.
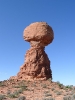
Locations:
(36, 66)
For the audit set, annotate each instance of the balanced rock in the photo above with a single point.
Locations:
(37, 63)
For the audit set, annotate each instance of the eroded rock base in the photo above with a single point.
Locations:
(36, 65)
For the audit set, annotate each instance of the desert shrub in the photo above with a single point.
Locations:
(73, 91)
(52, 89)
(48, 99)
(14, 95)
(73, 96)
(50, 80)
(8, 92)
(67, 90)
(34, 84)
(11, 80)
(22, 98)
(74, 88)
(28, 81)
(20, 91)
(61, 86)
(44, 85)
(2, 84)
(58, 82)
(21, 83)
(23, 87)
(2, 97)
(58, 93)
(48, 94)
(67, 98)
(70, 93)
(37, 99)
(67, 86)
(17, 86)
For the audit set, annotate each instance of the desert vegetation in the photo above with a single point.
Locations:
(35, 90)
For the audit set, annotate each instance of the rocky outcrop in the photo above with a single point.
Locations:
(37, 63)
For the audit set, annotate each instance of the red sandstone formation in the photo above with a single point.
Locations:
(37, 63)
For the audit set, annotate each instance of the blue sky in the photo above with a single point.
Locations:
(15, 15)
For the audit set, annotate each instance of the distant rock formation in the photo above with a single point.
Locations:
(37, 63)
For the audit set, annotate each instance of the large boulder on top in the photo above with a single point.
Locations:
(40, 32)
